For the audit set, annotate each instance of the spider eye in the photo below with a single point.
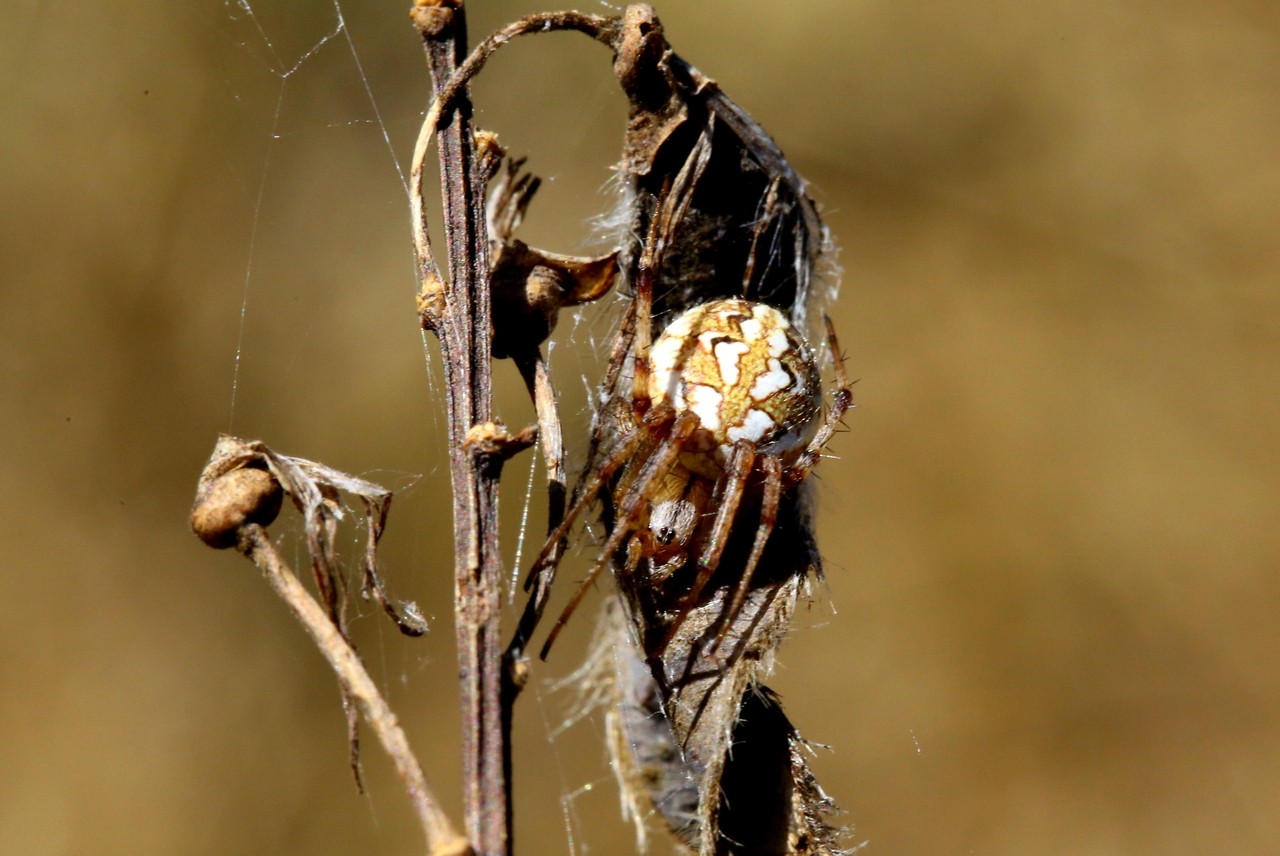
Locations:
(671, 522)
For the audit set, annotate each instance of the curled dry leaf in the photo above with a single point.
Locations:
(724, 215)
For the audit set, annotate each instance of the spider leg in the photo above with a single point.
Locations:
(671, 211)
(620, 455)
(629, 510)
(768, 519)
(737, 469)
(764, 220)
(841, 401)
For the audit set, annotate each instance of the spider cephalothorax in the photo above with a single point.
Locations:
(721, 406)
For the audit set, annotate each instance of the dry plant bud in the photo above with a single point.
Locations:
(433, 18)
(230, 500)
(492, 440)
(431, 301)
(489, 153)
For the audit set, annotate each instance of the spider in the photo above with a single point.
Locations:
(721, 405)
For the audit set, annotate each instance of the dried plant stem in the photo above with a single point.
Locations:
(442, 839)
(459, 313)
(533, 369)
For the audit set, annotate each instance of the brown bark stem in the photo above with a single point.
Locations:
(464, 330)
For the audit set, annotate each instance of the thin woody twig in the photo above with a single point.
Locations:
(442, 839)
(459, 312)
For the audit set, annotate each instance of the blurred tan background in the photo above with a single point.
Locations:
(1050, 622)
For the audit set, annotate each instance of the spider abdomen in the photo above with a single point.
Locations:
(744, 371)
